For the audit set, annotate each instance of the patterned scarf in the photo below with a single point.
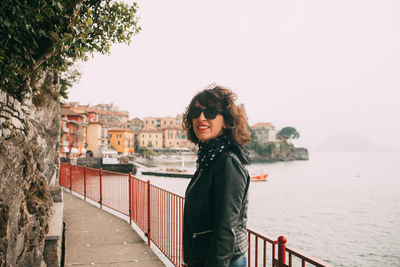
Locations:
(209, 150)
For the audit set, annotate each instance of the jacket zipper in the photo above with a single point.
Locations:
(201, 233)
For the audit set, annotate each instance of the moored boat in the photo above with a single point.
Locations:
(259, 178)
(170, 172)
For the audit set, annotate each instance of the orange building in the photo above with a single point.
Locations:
(122, 140)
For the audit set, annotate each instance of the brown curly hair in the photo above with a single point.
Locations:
(223, 100)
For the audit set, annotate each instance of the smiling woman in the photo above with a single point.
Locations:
(213, 102)
(215, 213)
(207, 122)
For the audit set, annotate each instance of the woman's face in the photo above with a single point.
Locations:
(207, 129)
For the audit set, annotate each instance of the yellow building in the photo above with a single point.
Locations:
(122, 140)
(158, 123)
(174, 137)
(96, 139)
(151, 138)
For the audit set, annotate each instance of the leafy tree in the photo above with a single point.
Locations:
(266, 149)
(51, 35)
(289, 133)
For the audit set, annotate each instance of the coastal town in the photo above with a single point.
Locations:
(95, 130)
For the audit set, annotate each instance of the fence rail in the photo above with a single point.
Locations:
(159, 214)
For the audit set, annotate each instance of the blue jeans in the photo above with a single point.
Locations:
(239, 262)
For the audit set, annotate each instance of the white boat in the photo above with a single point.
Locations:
(110, 157)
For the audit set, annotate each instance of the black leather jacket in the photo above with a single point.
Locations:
(215, 214)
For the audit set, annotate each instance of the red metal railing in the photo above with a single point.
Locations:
(159, 214)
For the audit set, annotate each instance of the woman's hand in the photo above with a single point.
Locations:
(185, 265)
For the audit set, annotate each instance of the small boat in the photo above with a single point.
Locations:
(259, 178)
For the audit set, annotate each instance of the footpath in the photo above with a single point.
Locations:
(96, 237)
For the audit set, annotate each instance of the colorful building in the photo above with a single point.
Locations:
(174, 137)
(150, 138)
(158, 122)
(97, 140)
(135, 125)
(73, 133)
(122, 140)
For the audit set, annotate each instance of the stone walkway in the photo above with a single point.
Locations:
(96, 237)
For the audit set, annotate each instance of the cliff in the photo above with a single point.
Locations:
(29, 136)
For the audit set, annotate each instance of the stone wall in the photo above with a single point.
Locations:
(301, 153)
(29, 137)
(281, 153)
(95, 163)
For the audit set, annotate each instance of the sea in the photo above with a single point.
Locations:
(343, 209)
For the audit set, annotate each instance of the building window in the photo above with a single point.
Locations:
(119, 142)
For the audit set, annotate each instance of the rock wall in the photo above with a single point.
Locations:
(29, 140)
(282, 153)
(301, 153)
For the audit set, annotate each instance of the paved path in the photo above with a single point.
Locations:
(96, 237)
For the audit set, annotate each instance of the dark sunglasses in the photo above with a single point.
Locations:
(209, 113)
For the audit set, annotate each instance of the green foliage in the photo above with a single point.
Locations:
(266, 149)
(289, 133)
(147, 152)
(42, 35)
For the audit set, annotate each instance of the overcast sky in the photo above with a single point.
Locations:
(324, 67)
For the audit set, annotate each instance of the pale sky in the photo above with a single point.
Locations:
(323, 67)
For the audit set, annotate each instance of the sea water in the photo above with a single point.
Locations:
(343, 209)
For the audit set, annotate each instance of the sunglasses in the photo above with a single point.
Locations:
(209, 113)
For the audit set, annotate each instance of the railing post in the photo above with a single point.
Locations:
(130, 197)
(249, 249)
(282, 251)
(148, 213)
(84, 181)
(70, 178)
(101, 187)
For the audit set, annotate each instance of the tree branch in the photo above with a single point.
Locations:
(51, 50)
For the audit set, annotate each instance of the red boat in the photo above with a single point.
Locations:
(259, 178)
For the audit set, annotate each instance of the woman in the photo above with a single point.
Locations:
(215, 212)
